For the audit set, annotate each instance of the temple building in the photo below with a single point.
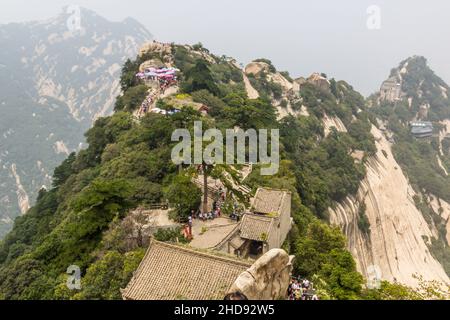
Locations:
(265, 228)
(391, 90)
(421, 129)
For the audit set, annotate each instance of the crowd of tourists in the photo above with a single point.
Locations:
(216, 212)
(165, 77)
(301, 289)
(147, 103)
(161, 74)
(211, 215)
(235, 215)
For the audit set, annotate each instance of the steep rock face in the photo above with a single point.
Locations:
(289, 89)
(443, 209)
(22, 196)
(319, 81)
(156, 47)
(443, 134)
(396, 244)
(330, 122)
(256, 67)
(290, 93)
(80, 67)
(54, 82)
(251, 92)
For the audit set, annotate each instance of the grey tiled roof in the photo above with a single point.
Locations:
(172, 272)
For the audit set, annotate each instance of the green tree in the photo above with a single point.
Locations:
(200, 78)
(248, 114)
(63, 172)
(311, 251)
(100, 203)
(105, 277)
(128, 77)
(183, 196)
(342, 279)
(322, 252)
(132, 99)
(226, 174)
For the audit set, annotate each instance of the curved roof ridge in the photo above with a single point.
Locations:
(193, 251)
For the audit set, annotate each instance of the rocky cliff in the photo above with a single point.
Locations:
(54, 82)
(409, 223)
(396, 245)
(395, 242)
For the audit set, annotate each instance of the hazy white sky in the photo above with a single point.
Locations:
(299, 36)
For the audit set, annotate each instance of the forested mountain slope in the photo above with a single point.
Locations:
(54, 81)
(85, 219)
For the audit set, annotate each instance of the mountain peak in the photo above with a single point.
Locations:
(72, 9)
(415, 82)
(90, 20)
(131, 21)
(417, 58)
(58, 75)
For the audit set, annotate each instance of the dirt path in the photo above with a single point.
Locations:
(155, 95)
(441, 165)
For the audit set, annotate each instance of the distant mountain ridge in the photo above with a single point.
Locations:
(406, 192)
(54, 82)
